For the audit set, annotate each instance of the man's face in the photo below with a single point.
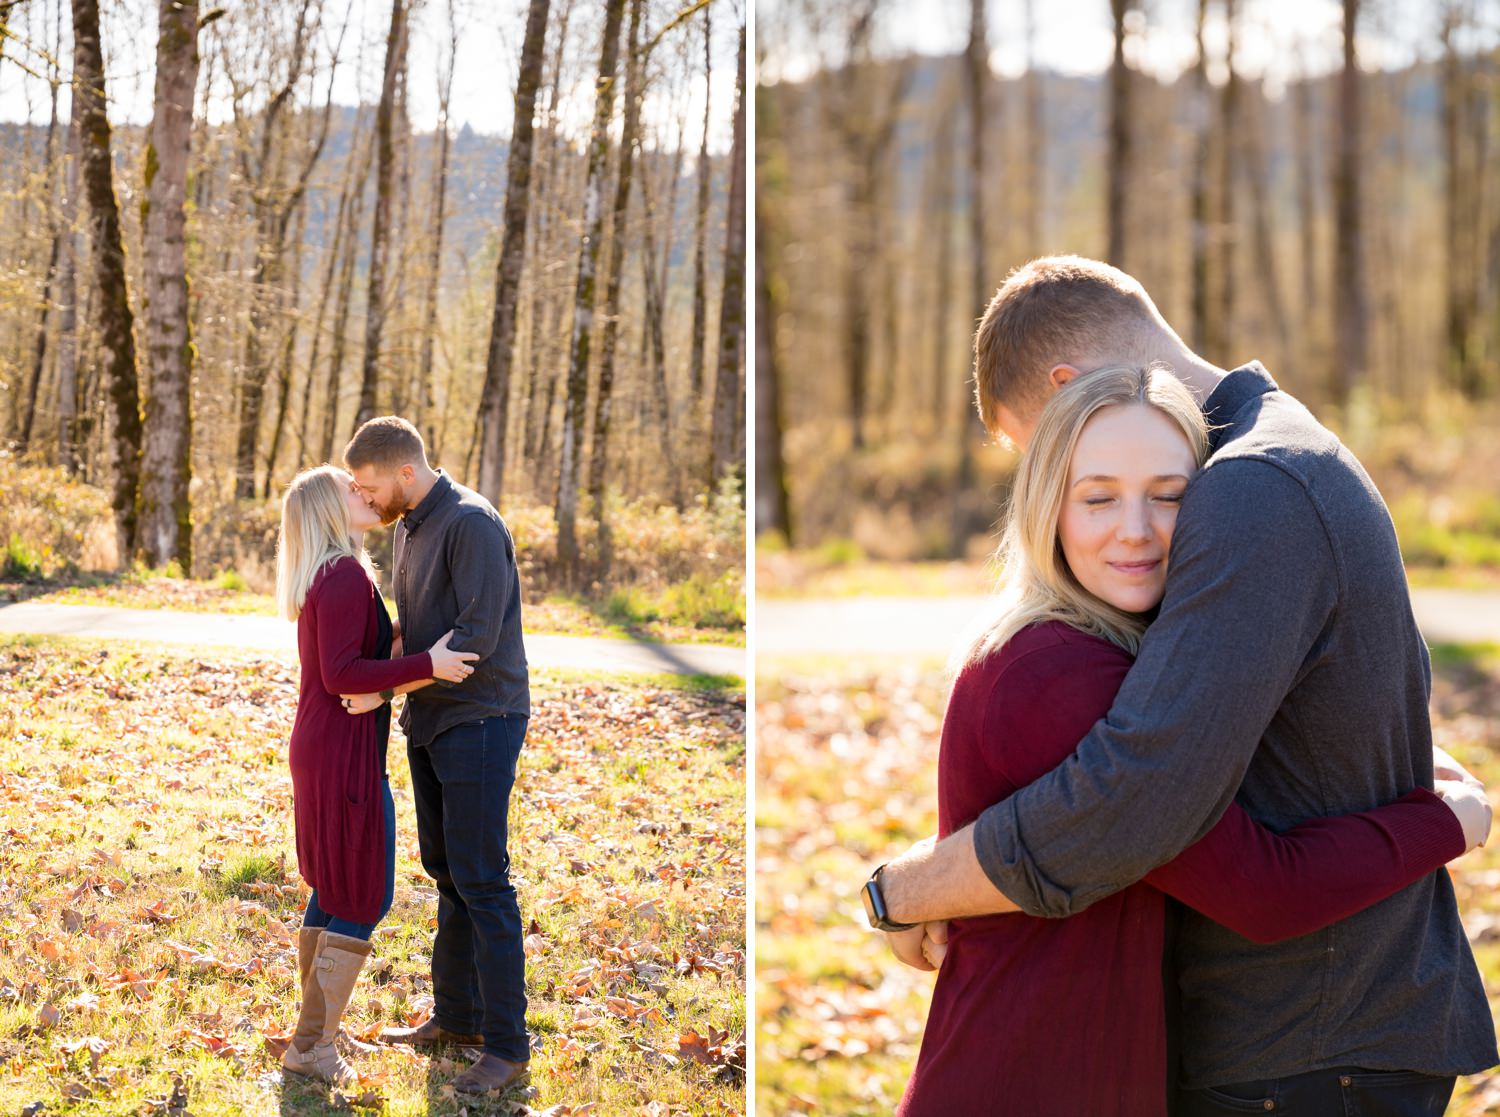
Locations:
(1020, 427)
(1015, 428)
(384, 492)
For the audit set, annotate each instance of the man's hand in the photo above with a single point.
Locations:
(1444, 767)
(361, 703)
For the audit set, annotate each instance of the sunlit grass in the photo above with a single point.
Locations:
(149, 897)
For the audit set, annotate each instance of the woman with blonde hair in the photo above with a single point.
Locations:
(1070, 1016)
(345, 817)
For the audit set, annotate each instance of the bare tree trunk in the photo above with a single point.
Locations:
(1222, 318)
(67, 309)
(1351, 296)
(772, 508)
(494, 406)
(657, 352)
(1120, 151)
(574, 413)
(700, 276)
(39, 355)
(275, 195)
(345, 298)
(291, 315)
(116, 325)
(1462, 240)
(427, 410)
(614, 267)
(341, 230)
(940, 190)
(1201, 235)
(1036, 139)
(976, 75)
(1309, 156)
(728, 430)
(166, 468)
(380, 234)
(1257, 170)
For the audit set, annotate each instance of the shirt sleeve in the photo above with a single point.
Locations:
(340, 606)
(482, 571)
(1252, 586)
(1269, 887)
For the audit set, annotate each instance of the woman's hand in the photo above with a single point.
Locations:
(361, 703)
(396, 648)
(1468, 800)
(448, 665)
(908, 947)
(922, 947)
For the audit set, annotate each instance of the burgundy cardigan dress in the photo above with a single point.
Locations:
(336, 759)
(1039, 1017)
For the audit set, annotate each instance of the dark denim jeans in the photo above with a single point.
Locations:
(1335, 1092)
(315, 916)
(461, 784)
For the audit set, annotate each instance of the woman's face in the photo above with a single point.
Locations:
(361, 516)
(1129, 470)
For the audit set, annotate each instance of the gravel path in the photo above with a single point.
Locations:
(930, 625)
(576, 653)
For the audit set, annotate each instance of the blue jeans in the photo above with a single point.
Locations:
(1335, 1092)
(315, 916)
(461, 786)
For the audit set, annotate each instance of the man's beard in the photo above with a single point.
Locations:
(390, 513)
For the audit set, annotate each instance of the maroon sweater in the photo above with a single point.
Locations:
(335, 758)
(1041, 1017)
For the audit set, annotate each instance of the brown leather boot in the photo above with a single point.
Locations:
(310, 1013)
(490, 1073)
(335, 971)
(429, 1033)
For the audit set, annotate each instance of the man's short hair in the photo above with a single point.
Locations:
(387, 442)
(1054, 310)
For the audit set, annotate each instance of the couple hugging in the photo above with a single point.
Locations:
(1221, 774)
(459, 598)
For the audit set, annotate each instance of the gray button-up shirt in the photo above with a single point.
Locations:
(1285, 669)
(456, 568)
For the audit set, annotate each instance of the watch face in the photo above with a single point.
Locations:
(869, 902)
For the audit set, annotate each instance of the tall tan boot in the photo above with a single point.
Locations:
(310, 1014)
(335, 970)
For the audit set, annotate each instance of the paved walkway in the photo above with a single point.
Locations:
(931, 625)
(258, 633)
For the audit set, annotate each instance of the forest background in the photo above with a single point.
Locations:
(229, 241)
(1312, 184)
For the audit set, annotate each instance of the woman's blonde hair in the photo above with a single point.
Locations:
(315, 531)
(1036, 583)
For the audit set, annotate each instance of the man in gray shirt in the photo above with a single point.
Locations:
(455, 569)
(1285, 668)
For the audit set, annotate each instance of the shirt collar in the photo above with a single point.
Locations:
(437, 495)
(1229, 397)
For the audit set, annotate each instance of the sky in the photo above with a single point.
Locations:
(490, 33)
(1279, 39)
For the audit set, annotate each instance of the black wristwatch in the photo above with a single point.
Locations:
(387, 694)
(875, 905)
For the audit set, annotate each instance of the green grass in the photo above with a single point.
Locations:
(846, 766)
(153, 903)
